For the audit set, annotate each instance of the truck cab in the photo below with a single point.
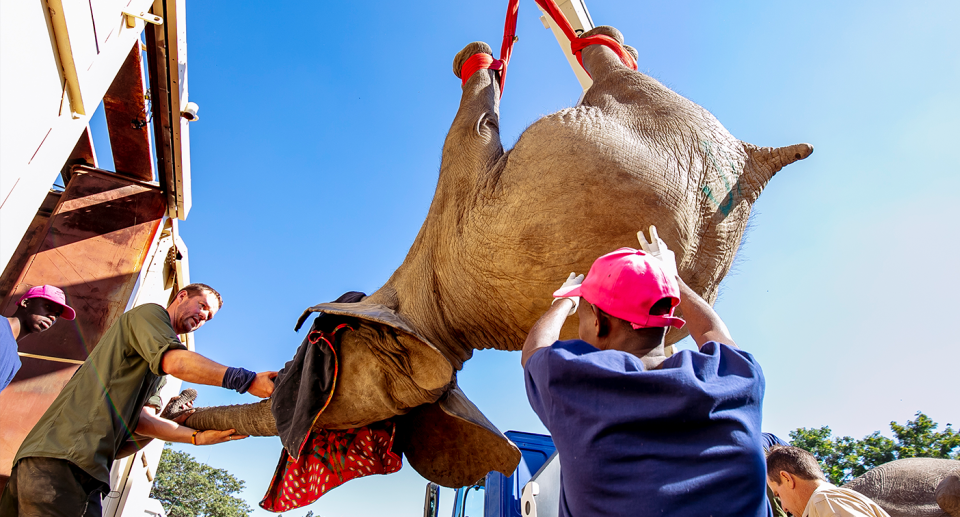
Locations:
(497, 495)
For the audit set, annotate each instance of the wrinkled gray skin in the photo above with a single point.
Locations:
(913, 487)
(506, 227)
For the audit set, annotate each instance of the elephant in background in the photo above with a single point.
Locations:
(506, 227)
(913, 487)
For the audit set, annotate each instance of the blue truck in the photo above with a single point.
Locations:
(533, 490)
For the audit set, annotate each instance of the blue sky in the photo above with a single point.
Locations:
(318, 146)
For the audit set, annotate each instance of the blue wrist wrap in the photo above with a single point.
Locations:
(238, 379)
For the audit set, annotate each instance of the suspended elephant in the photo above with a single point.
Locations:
(913, 487)
(505, 227)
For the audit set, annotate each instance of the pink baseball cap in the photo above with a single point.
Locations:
(626, 284)
(54, 294)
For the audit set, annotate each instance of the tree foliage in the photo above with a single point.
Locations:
(844, 458)
(188, 488)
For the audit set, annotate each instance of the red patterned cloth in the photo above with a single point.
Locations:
(330, 458)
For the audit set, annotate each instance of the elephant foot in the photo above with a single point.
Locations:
(477, 47)
(612, 32)
(948, 494)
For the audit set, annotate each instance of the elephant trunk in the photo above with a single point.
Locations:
(252, 419)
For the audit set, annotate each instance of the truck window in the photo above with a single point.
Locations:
(470, 501)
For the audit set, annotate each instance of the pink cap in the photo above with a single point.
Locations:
(626, 284)
(54, 294)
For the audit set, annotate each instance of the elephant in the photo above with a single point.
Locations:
(913, 487)
(503, 230)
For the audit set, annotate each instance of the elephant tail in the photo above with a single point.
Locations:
(764, 162)
(775, 158)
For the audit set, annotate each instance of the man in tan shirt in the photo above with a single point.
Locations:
(795, 477)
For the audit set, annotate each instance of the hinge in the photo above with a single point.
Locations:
(131, 17)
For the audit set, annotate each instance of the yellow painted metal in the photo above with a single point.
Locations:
(70, 78)
(579, 18)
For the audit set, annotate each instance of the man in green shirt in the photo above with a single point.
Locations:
(63, 465)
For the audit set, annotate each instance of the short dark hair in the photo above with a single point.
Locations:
(797, 461)
(195, 289)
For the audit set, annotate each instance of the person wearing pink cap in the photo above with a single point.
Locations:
(38, 309)
(63, 464)
(637, 432)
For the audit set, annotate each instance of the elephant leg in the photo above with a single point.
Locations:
(600, 61)
(473, 143)
(948, 493)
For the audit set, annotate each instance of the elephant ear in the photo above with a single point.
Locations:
(451, 443)
(431, 368)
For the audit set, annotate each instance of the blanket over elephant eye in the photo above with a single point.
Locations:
(303, 389)
(305, 384)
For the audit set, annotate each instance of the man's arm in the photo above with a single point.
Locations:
(169, 431)
(547, 329)
(193, 367)
(702, 321)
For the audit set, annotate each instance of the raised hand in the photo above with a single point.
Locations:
(658, 249)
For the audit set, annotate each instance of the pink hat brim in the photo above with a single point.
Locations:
(68, 313)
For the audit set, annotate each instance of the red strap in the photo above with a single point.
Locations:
(579, 44)
(480, 61)
(485, 61)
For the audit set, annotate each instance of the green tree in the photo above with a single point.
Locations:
(844, 458)
(188, 488)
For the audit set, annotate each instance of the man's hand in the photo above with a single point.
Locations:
(262, 385)
(658, 249)
(572, 281)
(215, 437)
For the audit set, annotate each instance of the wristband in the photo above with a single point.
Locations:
(574, 299)
(238, 379)
(193, 437)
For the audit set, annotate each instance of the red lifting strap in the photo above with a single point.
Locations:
(485, 61)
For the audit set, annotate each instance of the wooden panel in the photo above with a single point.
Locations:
(95, 247)
(125, 110)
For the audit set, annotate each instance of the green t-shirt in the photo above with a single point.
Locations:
(100, 407)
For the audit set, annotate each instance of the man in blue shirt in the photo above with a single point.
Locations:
(640, 433)
(38, 309)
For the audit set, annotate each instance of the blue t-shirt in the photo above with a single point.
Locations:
(9, 360)
(682, 440)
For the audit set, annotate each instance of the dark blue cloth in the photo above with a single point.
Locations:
(238, 379)
(9, 360)
(770, 439)
(682, 440)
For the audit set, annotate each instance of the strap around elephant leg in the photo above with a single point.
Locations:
(480, 61)
(579, 44)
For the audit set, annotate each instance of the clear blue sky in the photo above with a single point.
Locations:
(318, 146)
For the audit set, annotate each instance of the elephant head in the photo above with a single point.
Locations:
(503, 230)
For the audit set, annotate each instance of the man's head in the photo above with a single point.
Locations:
(40, 308)
(193, 306)
(629, 289)
(793, 474)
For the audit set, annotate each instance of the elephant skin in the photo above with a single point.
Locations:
(913, 487)
(506, 227)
